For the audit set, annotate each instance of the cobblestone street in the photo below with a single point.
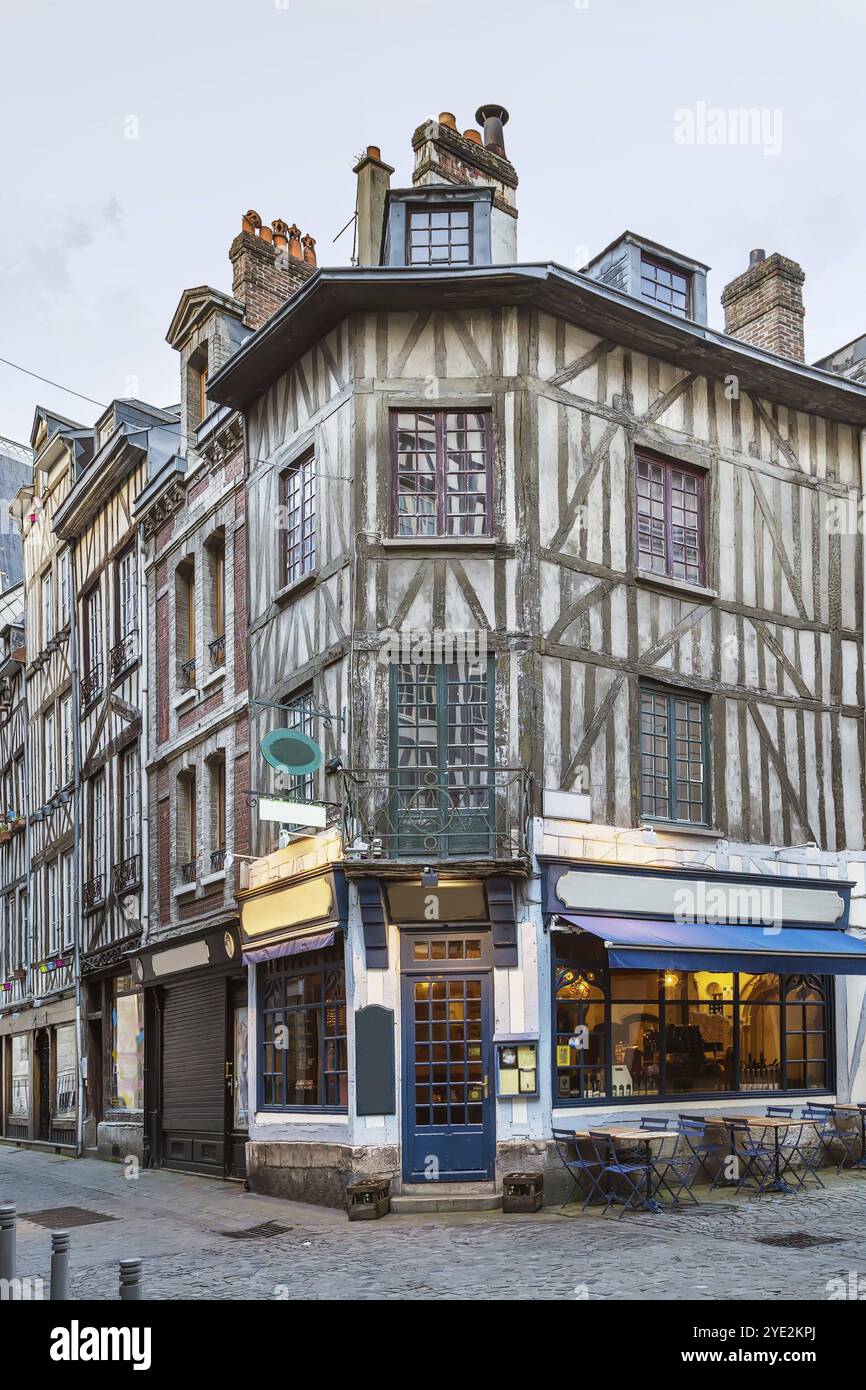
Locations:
(185, 1229)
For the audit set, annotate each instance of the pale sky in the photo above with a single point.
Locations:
(266, 104)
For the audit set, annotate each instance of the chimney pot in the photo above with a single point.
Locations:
(755, 257)
(373, 152)
(448, 118)
(281, 232)
(250, 222)
(266, 234)
(493, 118)
(309, 246)
(295, 241)
(473, 136)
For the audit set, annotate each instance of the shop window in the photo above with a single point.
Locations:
(20, 1097)
(127, 1045)
(632, 1034)
(302, 1046)
(65, 1071)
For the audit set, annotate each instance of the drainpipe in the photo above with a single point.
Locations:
(26, 794)
(76, 847)
(144, 744)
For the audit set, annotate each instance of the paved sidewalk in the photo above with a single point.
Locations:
(178, 1224)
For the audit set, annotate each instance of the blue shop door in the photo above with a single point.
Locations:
(448, 1101)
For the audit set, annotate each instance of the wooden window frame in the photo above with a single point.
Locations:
(671, 466)
(440, 414)
(671, 696)
(307, 513)
(331, 959)
(416, 209)
(120, 606)
(659, 263)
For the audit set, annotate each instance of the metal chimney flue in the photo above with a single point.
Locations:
(755, 257)
(493, 118)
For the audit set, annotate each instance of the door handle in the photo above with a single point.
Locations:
(486, 1086)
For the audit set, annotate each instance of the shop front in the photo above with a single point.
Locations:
(113, 1008)
(195, 1077)
(39, 1070)
(672, 991)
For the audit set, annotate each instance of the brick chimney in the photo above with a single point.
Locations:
(443, 155)
(268, 265)
(374, 180)
(764, 305)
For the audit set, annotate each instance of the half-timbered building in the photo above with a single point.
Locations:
(15, 1054)
(95, 521)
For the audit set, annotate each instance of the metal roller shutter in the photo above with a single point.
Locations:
(193, 1075)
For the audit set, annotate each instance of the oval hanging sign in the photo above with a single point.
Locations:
(288, 750)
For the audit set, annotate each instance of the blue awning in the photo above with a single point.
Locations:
(294, 946)
(638, 943)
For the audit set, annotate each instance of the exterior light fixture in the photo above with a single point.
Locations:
(429, 877)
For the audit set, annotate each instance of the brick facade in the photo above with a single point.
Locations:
(764, 307)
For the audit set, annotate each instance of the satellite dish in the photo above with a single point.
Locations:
(288, 750)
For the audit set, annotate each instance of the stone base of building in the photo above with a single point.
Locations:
(316, 1173)
(118, 1140)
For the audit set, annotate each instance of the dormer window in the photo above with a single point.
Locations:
(439, 236)
(666, 286)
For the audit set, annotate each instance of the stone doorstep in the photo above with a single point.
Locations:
(418, 1198)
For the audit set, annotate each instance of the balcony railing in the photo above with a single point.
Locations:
(186, 675)
(93, 893)
(187, 871)
(91, 685)
(126, 874)
(455, 812)
(217, 861)
(123, 655)
(217, 650)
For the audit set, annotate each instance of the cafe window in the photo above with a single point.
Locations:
(302, 1044)
(127, 1045)
(647, 1034)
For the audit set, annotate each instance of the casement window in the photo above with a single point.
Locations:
(67, 872)
(98, 861)
(52, 883)
(670, 518)
(184, 623)
(49, 735)
(439, 235)
(303, 1054)
(670, 1033)
(127, 596)
(187, 826)
(441, 462)
(67, 750)
(93, 649)
(64, 574)
(301, 717)
(216, 553)
(299, 503)
(130, 786)
(673, 756)
(47, 591)
(666, 286)
(197, 374)
(217, 769)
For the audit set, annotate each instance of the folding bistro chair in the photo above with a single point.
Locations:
(628, 1175)
(677, 1171)
(758, 1161)
(694, 1129)
(585, 1173)
(828, 1133)
(653, 1122)
(781, 1112)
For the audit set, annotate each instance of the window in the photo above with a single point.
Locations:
(442, 472)
(670, 519)
(666, 286)
(197, 407)
(97, 839)
(91, 685)
(52, 875)
(439, 236)
(184, 621)
(65, 587)
(20, 1107)
(131, 803)
(65, 1070)
(301, 717)
(67, 749)
(67, 870)
(187, 827)
(299, 499)
(303, 1052)
(673, 743)
(217, 767)
(49, 734)
(652, 1033)
(127, 596)
(47, 608)
(216, 551)
(127, 1039)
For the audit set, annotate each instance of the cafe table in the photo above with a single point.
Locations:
(631, 1135)
(776, 1123)
(852, 1108)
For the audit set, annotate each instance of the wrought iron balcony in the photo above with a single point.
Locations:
(126, 874)
(123, 655)
(188, 871)
(187, 675)
(93, 893)
(217, 650)
(91, 685)
(455, 812)
(217, 860)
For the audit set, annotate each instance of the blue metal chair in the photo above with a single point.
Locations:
(795, 1159)
(678, 1171)
(829, 1133)
(695, 1131)
(654, 1122)
(755, 1162)
(780, 1112)
(626, 1175)
(585, 1173)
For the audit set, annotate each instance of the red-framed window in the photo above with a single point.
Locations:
(670, 518)
(442, 472)
(666, 286)
(299, 501)
(439, 235)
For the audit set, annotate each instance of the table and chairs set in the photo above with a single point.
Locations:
(659, 1162)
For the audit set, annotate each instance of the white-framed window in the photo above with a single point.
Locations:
(131, 808)
(67, 866)
(53, 914)
(94, 631)
(127, 595)
(64, 597)
(67, 752)
(49, 734)
(47, 607)
(97, 828)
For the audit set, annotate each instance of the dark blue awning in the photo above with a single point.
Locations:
(638, 943)
(310, 941)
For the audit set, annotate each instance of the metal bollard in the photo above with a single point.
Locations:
(7, 1241)
(130, 1279)
(59, 1267)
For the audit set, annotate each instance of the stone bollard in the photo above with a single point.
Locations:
(130, 1279)
(7, 1241)
(59, 1267)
